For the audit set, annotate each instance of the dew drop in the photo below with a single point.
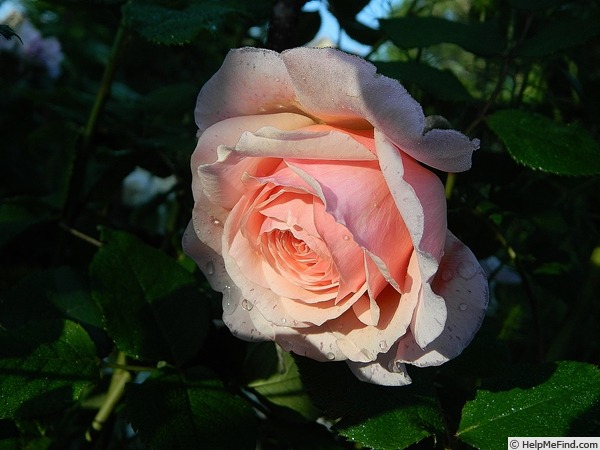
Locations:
(346, 237)
(210, 268)
(467, 270)
(247, 305)
(383, 346)
(447, 275)
(330, 356)
(215, 221)
(463, 306)
(283, 320)
(276, 80)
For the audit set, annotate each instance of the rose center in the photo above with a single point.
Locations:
(294, 258)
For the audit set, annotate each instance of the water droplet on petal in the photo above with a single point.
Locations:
(463, 306)
(447, 275)
(283, 320)
(346, 237)
(383, 346)
(247, 305)
(215, 221)
(330, 356)
(276, 80)
(467, 270)
(228, 305)
(210, 268)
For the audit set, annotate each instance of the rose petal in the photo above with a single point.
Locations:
(237, 254)
(313, 142)
(383, 371)
(419, 196)
(364, 208)
(250, 81)
(462, 283)
(245, 321)
(229, 131)
(344, 90)
(367, 310)
(395, 315)
(217, 168)
(430, 313)
(208, 260)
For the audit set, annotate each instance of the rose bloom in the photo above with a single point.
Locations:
(317, 219)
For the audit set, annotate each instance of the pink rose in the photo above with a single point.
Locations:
(316, 219)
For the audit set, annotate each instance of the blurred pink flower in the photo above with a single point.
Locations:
(32, 47)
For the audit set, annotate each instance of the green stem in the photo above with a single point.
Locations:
(116, 389)
(77, 180)
(449, 186)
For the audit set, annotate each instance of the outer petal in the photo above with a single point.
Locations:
(462, 283)
(396, 311)
(250, 81)
(313, 142)
(384, 371)
(419, 196)
(225, 135)
(345, 90)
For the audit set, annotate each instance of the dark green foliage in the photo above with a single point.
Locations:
(44, 367)
(174, 410)
(439, 83)
(139, 288)
(541, 400)
(104, 321)
(412, 32)
(163, 24)
(542, 144)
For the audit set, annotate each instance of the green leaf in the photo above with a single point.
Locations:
(308, 26)
(57, 293)
(379, 417)
(165, 25)
(360, 32)
(184, 409)
(345, 12)
(442, 84)
(534, 400)
(44, 368)
(16, 216)
(416, 32)
(538, 142)
(283, 387)
(150, 304)
(347, 9)
(558, 36)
